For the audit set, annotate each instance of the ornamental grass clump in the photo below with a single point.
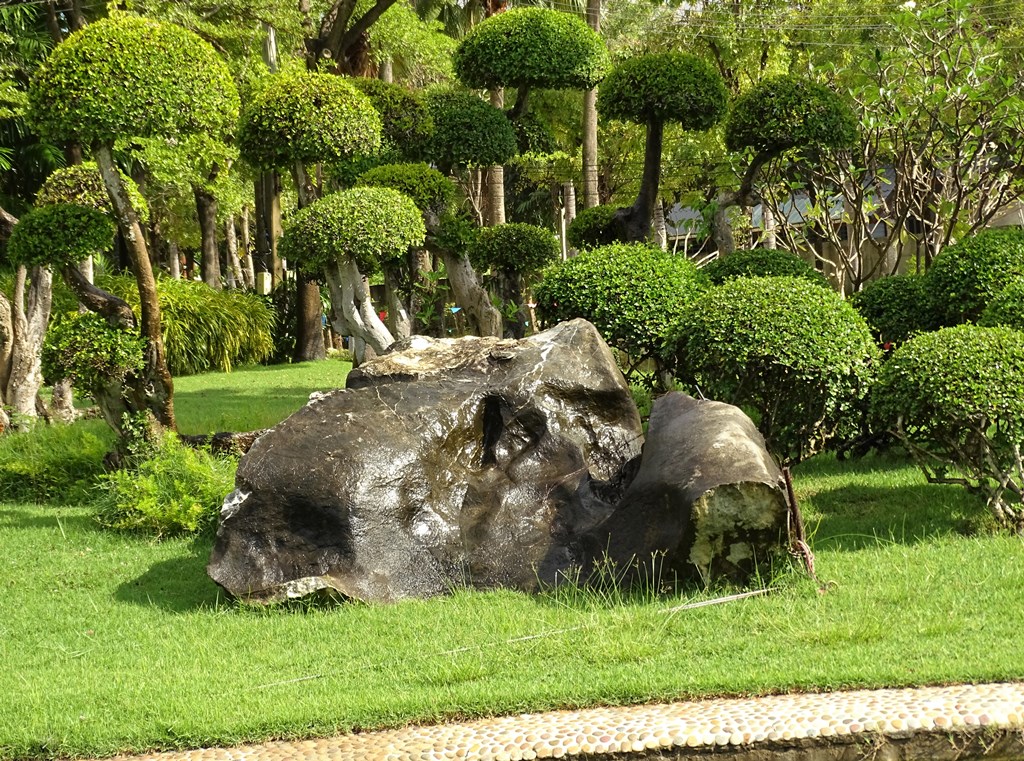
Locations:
(955, 399)
(792, 353)
(762, 262)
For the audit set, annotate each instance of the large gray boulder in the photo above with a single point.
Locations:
(445, 463)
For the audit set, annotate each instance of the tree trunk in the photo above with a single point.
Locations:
(637, 218)
(30, 316)
(473, 298)
(495, 203)
(234, 265)
(155, 383)
(206, 210)
(6, 348)
(351, 290)
(424, 292)
(591, 195)
(515, 315)
(721, 230)
(174, 260)
(398, 322)
(248, 273)
(309, 312)
(268, 226)
(658, 222)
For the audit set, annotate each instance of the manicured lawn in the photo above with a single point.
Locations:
(116, 643)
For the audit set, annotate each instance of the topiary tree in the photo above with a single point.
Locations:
(651, 90)
(968, 275)
(762, 262)
(955, 399)
(1006, 309)
(632, 294)
(348, 235)
(895, 307)
(124, 76)
(596, 226)
(82, 185)
(795, 354)
(468, 132)
(513, 252)
(777, 115)
(406, 124)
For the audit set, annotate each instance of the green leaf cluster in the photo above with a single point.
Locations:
(430, 190)
(895, 307)
(514, 247)
(307, 116)
(596, 226)
(131, 76)
(789, 112)
(82, 185)
(59, 234)
(531, 47)
(370, 224)
(666, 87)
(632, 294)
(969, 274)
(406, 125)
(793, 352)
(762, 262)
(90, 352)
(468, 131)
(1006, 309)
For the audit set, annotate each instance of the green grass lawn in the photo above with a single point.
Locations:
(116, 643)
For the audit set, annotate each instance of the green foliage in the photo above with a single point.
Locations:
(514, 247)
(406, 125)
(57, 463)
(204, 329)
(531, 47)
(371, 225)
(533, 135)
(430, 190)
(632, 294)
(794, 352)
(966, 276)
(82, 185)
(666, 87)
(128, 75)
(895, 307)
(1007, 308)
(596, 226)
(306, 116)
(58, 235)
(91, 353)
(176, 490)
(955, 398)
(468, 131)
(762, 262)
(456, 233)
(789, 112)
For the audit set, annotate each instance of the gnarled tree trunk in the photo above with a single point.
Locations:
(481, 315)
(350, 290)
(29, 318)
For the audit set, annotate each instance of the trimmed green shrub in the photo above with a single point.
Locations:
(59, 235)
(126, 75)
(792, 352)
(514, 247)
(82, 185)
(533, 134)
(596, 226)
(762, 262)
(789, 112)
(177, 490)
(895, 307)
(406, 125)
(531, 47)
(91, 353)
(306, 116)
(430, 190)
(955, 398)
(966, 276)
(468, 131)
(632, 294)
(371, 225)
(1006, 309)
(56, 464)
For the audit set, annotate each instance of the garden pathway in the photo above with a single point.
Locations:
(954, 722)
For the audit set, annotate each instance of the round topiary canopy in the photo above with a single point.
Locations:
(307, 116)
(514, 246)
(668, 87)
(430, 190)
(406, 123)
(58, 235)
(531, 47)
(82, 185)
(131, 76)
(468, 131)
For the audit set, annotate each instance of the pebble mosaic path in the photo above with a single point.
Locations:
(667, 730)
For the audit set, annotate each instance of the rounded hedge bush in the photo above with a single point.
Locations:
(673, 87)
(786, 112)
(955, 398)
(531, 47)
(58, 235)
(430, 190)
(131, 76)
(91, 353)
(596, 226)
(895, 307)
(1006, 309)
(468, 131)
(406, 125)
(762, 262)
(309, 117)
(514, 247)
(967, 275)
(632, 294)
(370, 224)
(82, 185)
(793, 352)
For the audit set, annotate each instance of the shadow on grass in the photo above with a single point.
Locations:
(176, 585)
(53, 519)
(201, 412)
